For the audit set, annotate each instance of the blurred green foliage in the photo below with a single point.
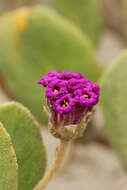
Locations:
(86, 14)
(114, 105)
(28, 145)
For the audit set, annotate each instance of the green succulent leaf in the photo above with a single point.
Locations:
(8, 163)
(114, 105)
(85, 14)
(35, 41)
(27, 141)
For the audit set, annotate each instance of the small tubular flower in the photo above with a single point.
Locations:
(71, 98)
(56, 89)
(86, 97)
(64, 105)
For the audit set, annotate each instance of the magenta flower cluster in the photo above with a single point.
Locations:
(69, 96)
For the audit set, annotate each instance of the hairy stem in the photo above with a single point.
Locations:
(60, 155)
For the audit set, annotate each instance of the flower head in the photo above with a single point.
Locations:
(71, 98)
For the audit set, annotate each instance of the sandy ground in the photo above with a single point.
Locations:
(94, 167)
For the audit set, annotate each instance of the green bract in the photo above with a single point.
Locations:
(8, 163)
(114, 105)
(27, 141)
(35, 41)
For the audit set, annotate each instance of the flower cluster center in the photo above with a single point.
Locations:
(86, 96)
(55, 90)
(64, 103)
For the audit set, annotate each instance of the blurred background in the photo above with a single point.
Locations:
(91, 32)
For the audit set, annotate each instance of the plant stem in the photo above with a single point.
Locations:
(60, 155)
(68, 161)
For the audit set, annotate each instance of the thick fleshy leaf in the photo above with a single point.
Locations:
(8, 163)
(27, 141)
(35, 41)
(85, 14)
(114, 105)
